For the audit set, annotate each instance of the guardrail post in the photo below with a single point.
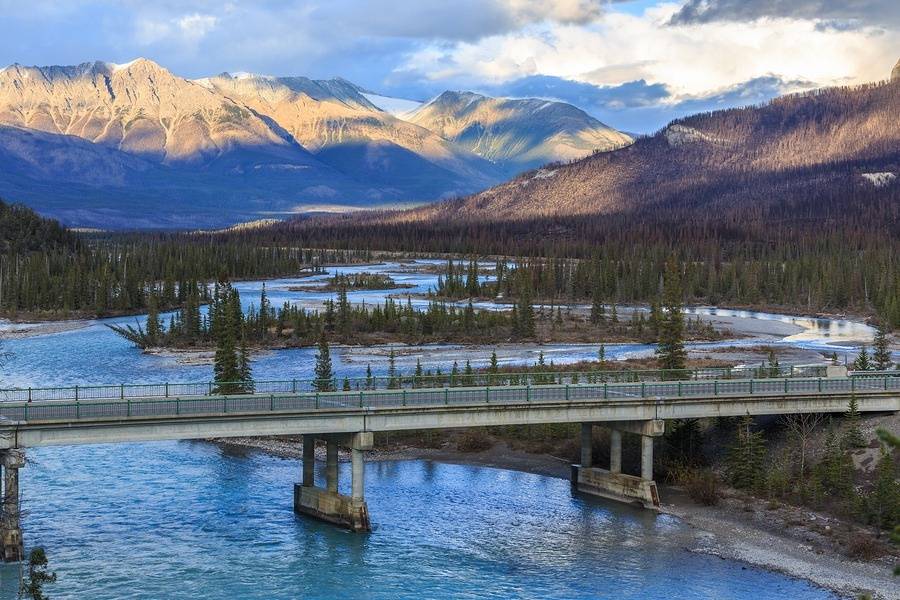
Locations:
(679, 388)
(528, 392)
(293, 386)
(751, 386)
(121, 391)
(317, 399)
(885, 383)
(446, 395)
(487, 394)
(786, 383)
(360, 398)
(225, 405)
(76, 393)
(271, 402)
(605, 390)
(716, 387)
(820, 385)
(567, 392)
(643, 390)
(404, 396)
(209, 389)
(177, 406)
(167, 389)
(853, 384)
(29, 394)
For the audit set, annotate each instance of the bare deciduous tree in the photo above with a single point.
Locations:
(801, 427)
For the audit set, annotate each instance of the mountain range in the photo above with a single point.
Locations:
(133, 145)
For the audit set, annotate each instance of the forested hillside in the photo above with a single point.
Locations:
(795, 204)
(47, 271)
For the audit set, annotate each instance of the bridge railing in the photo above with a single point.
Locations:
(407, 381)
(89, 409)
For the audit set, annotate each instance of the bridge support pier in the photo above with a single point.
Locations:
(11, 544)
(613, 484)
(329, 504)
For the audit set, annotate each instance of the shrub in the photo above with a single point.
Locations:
(864, 547)
(702, 486)
(475, 440)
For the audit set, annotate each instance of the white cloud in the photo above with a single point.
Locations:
(690, 59)
(196, 26)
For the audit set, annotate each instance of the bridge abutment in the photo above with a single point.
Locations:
(329, 504)
(612, 483)
(11, 544)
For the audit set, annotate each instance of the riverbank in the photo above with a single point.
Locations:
(790, 540)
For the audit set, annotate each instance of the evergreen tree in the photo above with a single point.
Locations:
(862, 362)
(835, 471)
(853, 437)
(346, 386)
(526, 326)
(601, 354)
(881, 354)
(494, 366)
(370, 381)
(883, 502)
(154, 325)
(393, 374)
(671, 355)
(324, 381)
(38, 575)
(417, 376)
(226, 367)
(598, 310)
(746, 456)
(245, 369)
(685, 441)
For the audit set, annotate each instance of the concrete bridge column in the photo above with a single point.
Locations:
(331, 465)
(647, 457)
(615, 451)
(614, 484)
(309, 460)
(587, 444)
(328, 504)
(11, 545)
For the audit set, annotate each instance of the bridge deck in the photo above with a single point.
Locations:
(95, 421)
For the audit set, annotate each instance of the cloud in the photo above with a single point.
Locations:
(871, 12)
(196, 26)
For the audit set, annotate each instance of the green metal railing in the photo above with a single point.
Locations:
(297, 386)
(606, 392)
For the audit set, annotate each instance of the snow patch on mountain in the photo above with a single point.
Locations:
(881, 179)
(391, 105)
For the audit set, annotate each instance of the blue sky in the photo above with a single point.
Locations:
(633, 64)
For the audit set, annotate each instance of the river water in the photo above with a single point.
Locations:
(193, 520)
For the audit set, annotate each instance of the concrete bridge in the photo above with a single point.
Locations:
(349, 419)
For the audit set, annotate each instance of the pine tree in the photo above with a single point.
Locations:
(853, 437)
(881, 354)
(38, 575)
(598, 310)
(685, 441)
(226, 368)
(746, 456)
(494, 366)
(671, 355)
(526, 327)
(862, 362)
(417, 376)
(601, 354)
(370, 381)
(835, 471)
(883, 502)
(324, 381)
(393, 374)
(346, 386)
(154, 325)
(245, 370)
